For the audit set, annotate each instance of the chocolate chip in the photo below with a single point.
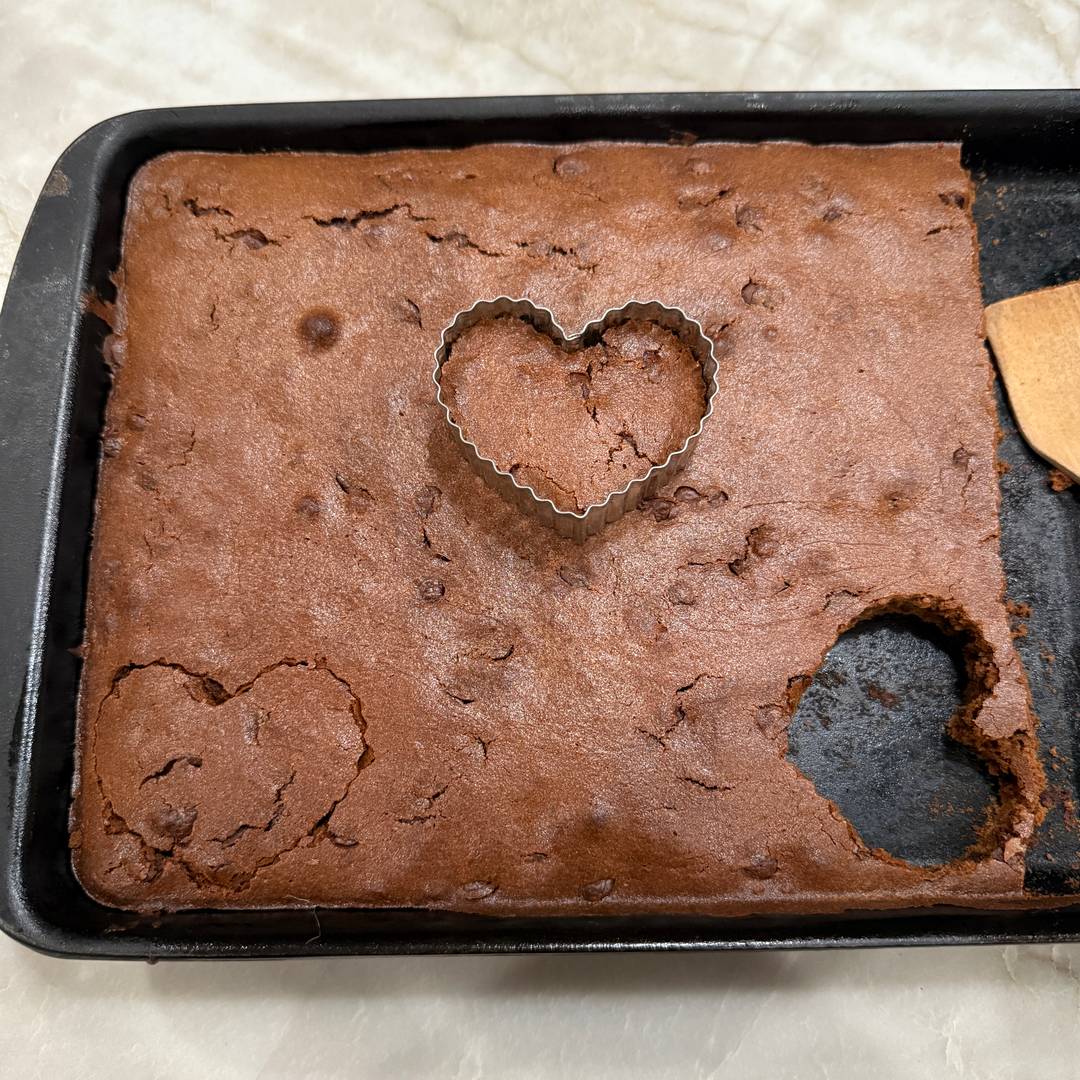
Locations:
(565, 165)
(961, 457)
(173, 822)
(763, 541)
(900, 497)
(432, 589)
(953, 198)
(575, 577)
(698, 167)
(210, 692)
(111, 446)
(680, 593)
(319, 329)
(661, 509)
(478, 890)
(136, 421)
(375, 234)
(749, 218)
(758, 294)
(308, 505)
(597, 890)
(718, 498)
(427, 499)
(687, 494)
(251, 238)
(761, 867)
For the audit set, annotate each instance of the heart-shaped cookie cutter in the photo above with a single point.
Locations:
(579, 524)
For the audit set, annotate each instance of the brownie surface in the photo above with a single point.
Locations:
(574, 426)
(326, 664)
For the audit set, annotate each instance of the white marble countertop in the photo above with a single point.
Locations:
(979, 1013)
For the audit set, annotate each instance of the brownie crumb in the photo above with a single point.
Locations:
(882, 696)
(1058, 480)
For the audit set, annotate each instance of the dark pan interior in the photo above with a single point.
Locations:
(1028, 213)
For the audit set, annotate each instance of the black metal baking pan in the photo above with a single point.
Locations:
(1024, 151)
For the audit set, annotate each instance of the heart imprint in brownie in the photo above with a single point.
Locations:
(574, 424)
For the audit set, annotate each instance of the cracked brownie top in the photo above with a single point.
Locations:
(574, 426)
(326, 664)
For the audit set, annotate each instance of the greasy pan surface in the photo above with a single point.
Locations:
(55, 387)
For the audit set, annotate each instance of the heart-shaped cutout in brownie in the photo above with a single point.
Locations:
(582, 425)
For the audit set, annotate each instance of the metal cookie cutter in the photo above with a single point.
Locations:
(579, 524)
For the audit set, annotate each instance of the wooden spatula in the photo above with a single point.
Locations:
(1036, 339)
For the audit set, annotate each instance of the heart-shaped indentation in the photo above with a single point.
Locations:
(574, 420)
(219, 783)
